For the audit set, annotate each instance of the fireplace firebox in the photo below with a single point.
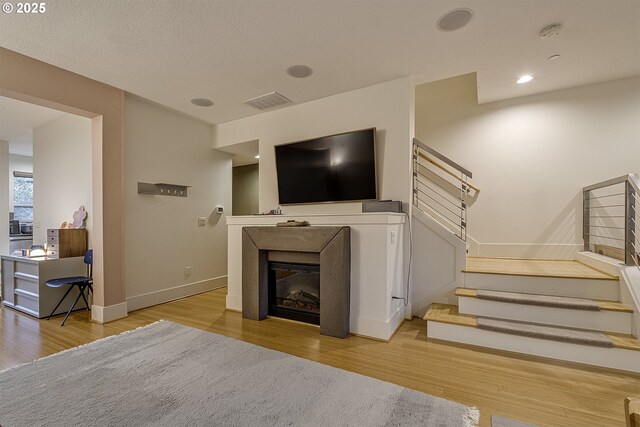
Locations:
(294, 291)
(325, 255)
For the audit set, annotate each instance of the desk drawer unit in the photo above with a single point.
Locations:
(66, 242)
(23, 283)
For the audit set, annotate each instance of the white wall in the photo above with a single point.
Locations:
(245, 194)
(162, 236)
(20, 164)
(439, 257)
(61, 174)
(385, 106)
(531, 156)
(4, 197)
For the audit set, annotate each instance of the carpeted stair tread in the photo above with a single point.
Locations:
(532, 330)
(543, 300)
(540, 300)
(448, 313)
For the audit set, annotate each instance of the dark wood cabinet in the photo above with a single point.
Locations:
(66, 242)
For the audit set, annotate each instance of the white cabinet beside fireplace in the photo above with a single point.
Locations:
(377, 266)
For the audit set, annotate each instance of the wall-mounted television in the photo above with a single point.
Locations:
(334, 168)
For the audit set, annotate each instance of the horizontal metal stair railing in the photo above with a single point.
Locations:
(441, 188)
(611, 216)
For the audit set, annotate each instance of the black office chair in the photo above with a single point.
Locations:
(82, 282)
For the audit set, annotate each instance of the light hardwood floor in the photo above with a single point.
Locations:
(529, 389)
(535, 267)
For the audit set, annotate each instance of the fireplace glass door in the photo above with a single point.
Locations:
(294, 291)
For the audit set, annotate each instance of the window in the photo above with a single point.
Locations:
(23, 196)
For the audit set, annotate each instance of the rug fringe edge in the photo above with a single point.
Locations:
(80, 346)
(471, 417)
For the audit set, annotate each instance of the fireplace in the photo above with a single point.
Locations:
(298, 271)
(294, 291)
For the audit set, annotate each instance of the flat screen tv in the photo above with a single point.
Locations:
(334, 168)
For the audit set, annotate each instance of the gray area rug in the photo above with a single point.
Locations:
(540, 300)
(532, 330)
(498, 421)
(171, 375)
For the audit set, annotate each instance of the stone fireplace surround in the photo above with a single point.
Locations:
(331, 246)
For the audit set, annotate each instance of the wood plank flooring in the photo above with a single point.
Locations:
(525, 388)
(535, 267)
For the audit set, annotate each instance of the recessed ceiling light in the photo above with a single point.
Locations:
(524, 79)
(202, 102)
(454, 20)
(299, 71)
(257, 156)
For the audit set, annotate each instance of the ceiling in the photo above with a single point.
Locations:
(17, 121)
(231, 50)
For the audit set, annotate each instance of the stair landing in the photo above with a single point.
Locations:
(535, 267)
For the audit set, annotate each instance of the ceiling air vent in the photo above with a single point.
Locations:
(270, 100)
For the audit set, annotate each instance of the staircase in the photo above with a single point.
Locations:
(565, 310)
(558, 309)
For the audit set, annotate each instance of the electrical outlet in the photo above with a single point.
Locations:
(202, 221)
(187, 271)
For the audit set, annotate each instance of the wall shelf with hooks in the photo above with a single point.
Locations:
(163, 189)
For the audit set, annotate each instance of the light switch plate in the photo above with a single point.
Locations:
(202, 221)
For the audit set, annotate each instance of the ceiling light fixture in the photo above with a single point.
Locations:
(202, 102)
(454, 20)
(550, 31)
(299, 71)
(524, 79)
(257, 156)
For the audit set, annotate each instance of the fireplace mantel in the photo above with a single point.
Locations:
(334, 249)
(377, 265)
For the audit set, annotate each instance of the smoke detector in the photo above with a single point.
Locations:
(550, 31)
(270, 100)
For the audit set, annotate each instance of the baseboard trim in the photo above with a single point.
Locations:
(376, 329)
(234, 303)
(108, 313)
(165, 295)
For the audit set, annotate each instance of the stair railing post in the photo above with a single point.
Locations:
(629, 223)
(415, 175)
(464, 190)
(586, 195)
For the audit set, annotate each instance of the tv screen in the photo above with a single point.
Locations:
(335, 168)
